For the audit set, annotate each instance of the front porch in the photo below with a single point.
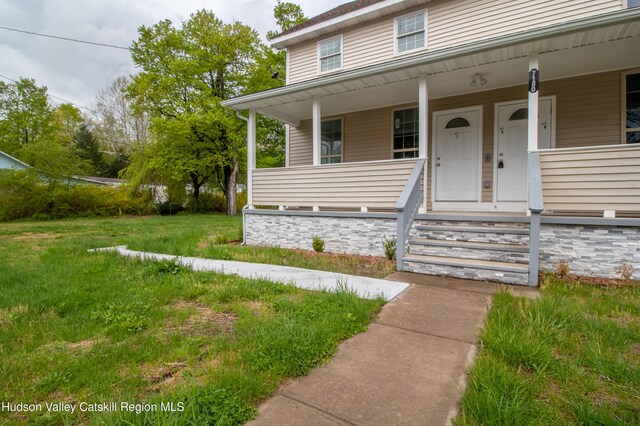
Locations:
(446, 134)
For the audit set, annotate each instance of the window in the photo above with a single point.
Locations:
(633, 3)
(631, 83)
(410, 32)
(405, 133)
(331, 141)
(330, 54)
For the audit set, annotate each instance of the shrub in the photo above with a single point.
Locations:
(167, 208)
(318, 244)
(389, 245)
(562, 268)
(625, 271)
(27, 194)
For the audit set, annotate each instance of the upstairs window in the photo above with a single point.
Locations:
(331, 141)
(411, 32)
(631, 111)
(405, 133)
(330, 54)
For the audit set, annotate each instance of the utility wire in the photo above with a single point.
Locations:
(75, 40)
(53, 96)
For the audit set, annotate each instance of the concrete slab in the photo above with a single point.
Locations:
(388, 376)
(438, 311)
(462, 284)
(283, 411)
(368, 288)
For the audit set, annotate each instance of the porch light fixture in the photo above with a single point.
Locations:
(478, 80)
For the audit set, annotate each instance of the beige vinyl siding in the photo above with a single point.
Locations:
(450, 23)
(367, 135)
(587, 114)
(454, 22)
(351, 185)
(592, 179)
(300, 144)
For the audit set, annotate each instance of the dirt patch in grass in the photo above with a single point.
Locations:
(8, 315)
(164, 376)
(82, 345)
(598, 281)
(28, 236)
(205, 321)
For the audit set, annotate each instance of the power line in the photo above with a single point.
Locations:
(53, 96)
(75, 40)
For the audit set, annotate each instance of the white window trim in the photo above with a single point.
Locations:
(393, 111)
(341, 134)
(395, 33)
(318, 65)
(623, 107)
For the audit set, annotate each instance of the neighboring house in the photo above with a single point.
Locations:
(451, 125)
(8, 162)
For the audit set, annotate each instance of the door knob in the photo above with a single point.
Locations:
(501, 164)
(437, 164)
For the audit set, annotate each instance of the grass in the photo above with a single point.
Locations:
(570, 357)
(97, 327)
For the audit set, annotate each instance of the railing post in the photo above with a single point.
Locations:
(534, 248)
(536, 206)
(400, 240)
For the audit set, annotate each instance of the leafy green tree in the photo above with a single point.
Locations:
(88, 149)
(25, 114)
(287, 15)
(185, 73)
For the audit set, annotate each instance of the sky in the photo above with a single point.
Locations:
(77, 72)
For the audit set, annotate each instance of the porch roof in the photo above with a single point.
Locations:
(565, 49)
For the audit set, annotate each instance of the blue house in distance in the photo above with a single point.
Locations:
(11, 163)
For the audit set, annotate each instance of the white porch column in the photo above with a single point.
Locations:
(251, 155)
(316, 124)
(533, 102)
(423, 130)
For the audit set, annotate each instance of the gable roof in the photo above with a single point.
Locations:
(344, 16)
(330, 14)
(14, 161)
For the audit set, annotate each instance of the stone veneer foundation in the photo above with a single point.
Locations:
(595, 249)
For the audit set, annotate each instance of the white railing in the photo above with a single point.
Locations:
(407, 207)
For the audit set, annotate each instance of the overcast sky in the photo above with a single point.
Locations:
(77, 72)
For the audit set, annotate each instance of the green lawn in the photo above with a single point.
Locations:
(570, 357)
(80, 327)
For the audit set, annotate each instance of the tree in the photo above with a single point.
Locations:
(117, 127)
(25, 114)
(185, 73)
(88, 149)
(287, 15)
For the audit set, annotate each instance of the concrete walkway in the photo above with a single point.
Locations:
(368, 288)
(408, 368)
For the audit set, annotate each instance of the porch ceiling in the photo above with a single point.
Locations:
(580, 47)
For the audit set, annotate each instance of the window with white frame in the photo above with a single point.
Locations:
(631, 82)
(330, 54)
(405, 133)
(411, 32)
(633, 3)
(331, 141)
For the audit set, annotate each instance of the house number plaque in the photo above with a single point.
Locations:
(533, 80)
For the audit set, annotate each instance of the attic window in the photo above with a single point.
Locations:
(330, 54)
(411, 32)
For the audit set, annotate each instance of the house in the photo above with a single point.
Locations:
(8, 162)
(492, 139)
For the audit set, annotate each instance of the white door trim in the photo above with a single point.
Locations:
(511, 206)
(448, 205)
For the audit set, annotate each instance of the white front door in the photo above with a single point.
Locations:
(457, 155)
(511, 147)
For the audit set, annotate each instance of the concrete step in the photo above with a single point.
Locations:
(510, 253)
(475, 269)
(477, 234)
